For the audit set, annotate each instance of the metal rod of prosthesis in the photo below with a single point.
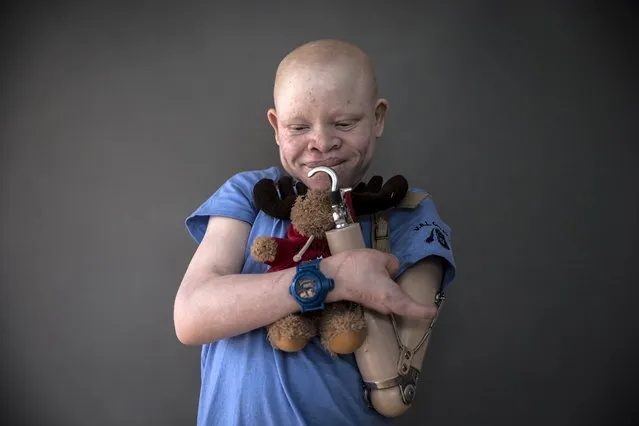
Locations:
(335, 196)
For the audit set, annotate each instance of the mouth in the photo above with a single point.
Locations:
(329, 162)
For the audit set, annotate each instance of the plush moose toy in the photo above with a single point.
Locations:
(341, 325)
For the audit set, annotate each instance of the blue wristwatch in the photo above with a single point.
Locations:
(309, 286)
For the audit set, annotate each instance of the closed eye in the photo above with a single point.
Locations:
(346, 125)
(297, 128)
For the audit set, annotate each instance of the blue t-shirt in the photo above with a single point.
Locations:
(244, 380)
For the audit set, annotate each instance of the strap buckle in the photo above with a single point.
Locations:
(407, 385)
(381, 228)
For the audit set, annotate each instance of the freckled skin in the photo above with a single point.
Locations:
(326, 112)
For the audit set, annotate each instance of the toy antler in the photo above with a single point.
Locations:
(278, 205)
(373, 197)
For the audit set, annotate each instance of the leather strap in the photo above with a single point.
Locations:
(412, 200)
(380, 226)
(380, 232)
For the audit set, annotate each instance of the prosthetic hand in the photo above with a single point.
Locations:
(391, 357)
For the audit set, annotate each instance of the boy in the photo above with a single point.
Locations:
(326, 113)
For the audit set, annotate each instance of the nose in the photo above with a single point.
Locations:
(323, 140)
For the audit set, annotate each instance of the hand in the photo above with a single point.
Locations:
(365, 276)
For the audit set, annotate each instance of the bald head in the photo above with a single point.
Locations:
(327, 111)
(328, 57)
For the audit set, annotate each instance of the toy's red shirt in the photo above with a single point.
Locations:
(290, 246)
(293, 243)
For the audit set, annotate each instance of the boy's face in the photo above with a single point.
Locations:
(326, 117)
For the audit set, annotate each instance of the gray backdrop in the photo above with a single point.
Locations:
(521, 120)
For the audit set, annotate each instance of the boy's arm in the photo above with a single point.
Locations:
(215, 301)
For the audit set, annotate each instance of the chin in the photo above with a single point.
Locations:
(323, 180)
(342, 170)
(318, 181)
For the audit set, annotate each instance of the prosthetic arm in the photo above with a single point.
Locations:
(390, 360)
(391, 357)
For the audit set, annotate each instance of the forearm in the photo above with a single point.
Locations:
(222, 306)
(421, 282)
(431, 270)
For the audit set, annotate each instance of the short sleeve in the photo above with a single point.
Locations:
(419, 233)
(234, 199)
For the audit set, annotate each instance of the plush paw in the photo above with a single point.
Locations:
(291, 333)
(288, 344)
(343, 328)
(264, 249)
(346, 342)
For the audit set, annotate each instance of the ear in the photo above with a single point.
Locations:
(381, 108)
(271, 114)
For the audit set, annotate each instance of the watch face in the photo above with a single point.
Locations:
(305, 288)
